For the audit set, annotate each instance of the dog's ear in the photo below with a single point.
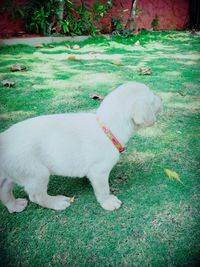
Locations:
(143, 115)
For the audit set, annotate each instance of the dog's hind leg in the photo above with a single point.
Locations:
(7, 198)
(36, 187)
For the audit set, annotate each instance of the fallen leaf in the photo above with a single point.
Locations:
(73, 58)
(117, 63)
(8, 83)
(96, 97)
(76, 47)
(68, 46)
(145, 71)
(72, 199)
(172, 175)
(18, 67)
(51, 46)
(137, 43)
(182, 93)
(38, 46)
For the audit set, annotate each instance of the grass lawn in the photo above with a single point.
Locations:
(158, 224)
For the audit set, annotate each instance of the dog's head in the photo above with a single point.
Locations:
(145, 108)
(131, 101)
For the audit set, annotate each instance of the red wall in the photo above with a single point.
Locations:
(172, 14)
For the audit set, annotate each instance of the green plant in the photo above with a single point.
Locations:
(64, 16)
(39, 22)
(155, 22)
(12, 8)
(116, 23)
(64, 25)
(84, 18)
(39, 16)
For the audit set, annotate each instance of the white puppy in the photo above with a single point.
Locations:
(74, 145)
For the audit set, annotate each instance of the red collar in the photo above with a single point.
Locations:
(109, 134)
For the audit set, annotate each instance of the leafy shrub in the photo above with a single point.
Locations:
(76, 19)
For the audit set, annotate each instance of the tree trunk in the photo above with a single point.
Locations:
(61, 10)
(82, 3)
(130, 23)
(57, 28)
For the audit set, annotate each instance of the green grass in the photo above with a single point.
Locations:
(158, 224)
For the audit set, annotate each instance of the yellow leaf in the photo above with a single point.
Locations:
(72, 199)
(172, 175)
(117, 63)
(73, 58)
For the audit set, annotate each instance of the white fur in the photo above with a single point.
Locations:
(72, 145)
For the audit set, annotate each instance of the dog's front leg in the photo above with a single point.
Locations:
(101, 188)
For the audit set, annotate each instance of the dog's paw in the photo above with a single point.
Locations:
(111, 203)
(17, 205)
(58, 202)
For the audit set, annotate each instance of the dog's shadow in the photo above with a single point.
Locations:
(68, 186)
